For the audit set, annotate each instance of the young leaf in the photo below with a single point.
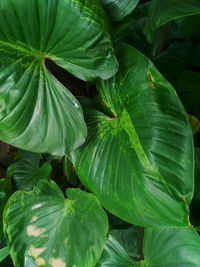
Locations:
(50, 230)
(36, 112)
(26, 171)
(161, 12)
(128, 161)
(118, 9)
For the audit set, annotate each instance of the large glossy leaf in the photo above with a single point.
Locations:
(5, 192)
(139, 162)
(36, 112)
(172, 247)
(161, 12)
(162, 247)
(26, 171)
(118, 9)
(51, 231)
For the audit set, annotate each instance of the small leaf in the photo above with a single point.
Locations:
(118, 9)
(26, 171)
(44, 228)
(115, 255)
(129, 238)
(4, 252)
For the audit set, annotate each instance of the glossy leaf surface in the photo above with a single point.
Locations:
(51, 231)
(118, 9)
(128, 161)
(36, 112)
(161, 12)
(26, 171)
(162, 247)
(172, 247)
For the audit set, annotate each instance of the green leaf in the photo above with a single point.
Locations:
(172, 247)
(4, 252)
(115, 255)
(118, 9)
(7, 262)
(5, 193)
(162, 247)
(161, 12)
(26, 171)
(37, 113)
(188, 87)
(128, 160)
(129, 238)
(43, 227)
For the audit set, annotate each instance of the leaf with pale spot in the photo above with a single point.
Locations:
(45, 229)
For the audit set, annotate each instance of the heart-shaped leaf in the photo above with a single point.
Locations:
(118, 9)
(36, 112)
(45, 229)
(139, 162)
(161, 12)
(161, 247)
(26, 171)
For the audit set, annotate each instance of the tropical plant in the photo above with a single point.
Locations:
(99, 102)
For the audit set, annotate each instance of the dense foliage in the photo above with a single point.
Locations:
(99, 102)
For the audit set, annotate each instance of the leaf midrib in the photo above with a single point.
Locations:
(22, 49)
